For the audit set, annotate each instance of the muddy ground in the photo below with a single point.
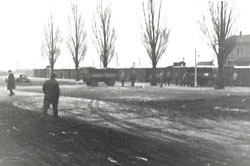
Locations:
(127, 126)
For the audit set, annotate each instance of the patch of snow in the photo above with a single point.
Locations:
(112, 160)
(231, 109)
(14, 128)
(52, 134)
(142, 158)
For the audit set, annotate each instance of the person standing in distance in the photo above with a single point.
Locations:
(161, 79)
(235, 77)
(122, 78)
(51, 92)
(133, 78)
(11, 83)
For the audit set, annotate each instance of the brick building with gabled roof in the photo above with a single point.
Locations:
(240, 55)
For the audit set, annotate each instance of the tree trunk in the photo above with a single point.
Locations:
(105, 63)
(220, 80)
(154, 79)
(77, 77)
(51, 69)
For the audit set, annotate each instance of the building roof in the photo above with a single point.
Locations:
(205, 63)
(181, 63)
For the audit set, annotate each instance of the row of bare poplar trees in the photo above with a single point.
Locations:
(155, 36)
(217, 25)
(76, 41)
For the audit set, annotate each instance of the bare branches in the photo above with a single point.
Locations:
(104, 34)
(155, 36)
(77, 43)
(218, 27)
(51, 43)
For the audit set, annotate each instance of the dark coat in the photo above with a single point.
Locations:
(11, 82)
(122, 77)
(133, 77)
(51, 90)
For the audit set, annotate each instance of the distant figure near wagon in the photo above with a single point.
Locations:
(161, 79)
(176, 77)
(11, 83)
(133, 78)
(51, 92)
(168, 78)
(122, 78)
(184, 79)
(235, 77)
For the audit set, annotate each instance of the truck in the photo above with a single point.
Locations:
(91, 76)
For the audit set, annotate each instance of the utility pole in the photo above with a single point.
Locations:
(195, 69)
(117, 62)
(100, 62)
(17, 65)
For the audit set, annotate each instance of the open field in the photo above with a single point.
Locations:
(127, 126)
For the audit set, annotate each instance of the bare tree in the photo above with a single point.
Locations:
(218, 27)
(104, 33)
(51, 44)
(155, 35)
(77, 44)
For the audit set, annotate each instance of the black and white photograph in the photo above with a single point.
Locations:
(124, 83)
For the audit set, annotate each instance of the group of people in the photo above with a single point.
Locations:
(165, 78)
(50, 89)
(185, 79)
(132, 78)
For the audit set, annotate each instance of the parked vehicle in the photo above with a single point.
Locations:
(92, 76)
(21, 79)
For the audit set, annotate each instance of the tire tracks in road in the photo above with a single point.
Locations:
(137, 130)
(133, 128)
(94, 107)
(156, 134)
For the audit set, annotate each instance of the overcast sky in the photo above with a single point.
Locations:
(23, 23)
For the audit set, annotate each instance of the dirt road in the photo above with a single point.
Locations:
(133, 127)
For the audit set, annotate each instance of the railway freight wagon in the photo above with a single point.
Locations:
(91, 76)
(243, 73)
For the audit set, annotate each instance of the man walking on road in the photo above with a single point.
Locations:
(51, 92)
(11, 83)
